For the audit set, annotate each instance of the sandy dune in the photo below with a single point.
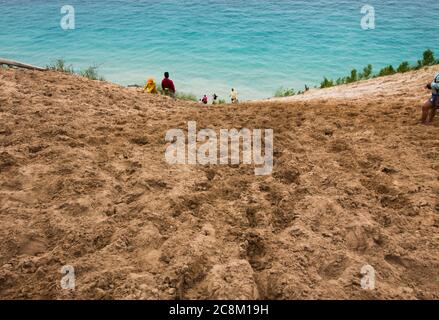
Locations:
(385, 86)
(84, 182)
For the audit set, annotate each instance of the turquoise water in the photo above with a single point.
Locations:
(212, 45)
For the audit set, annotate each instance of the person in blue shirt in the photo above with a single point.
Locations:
(430, 107)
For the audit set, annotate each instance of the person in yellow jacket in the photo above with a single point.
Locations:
(150, 87)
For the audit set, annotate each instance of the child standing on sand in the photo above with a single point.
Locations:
(429, 108)
(234, 96)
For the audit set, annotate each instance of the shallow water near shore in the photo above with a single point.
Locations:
(211, 46)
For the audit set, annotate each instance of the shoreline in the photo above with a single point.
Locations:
(380, 86)
(355, 82)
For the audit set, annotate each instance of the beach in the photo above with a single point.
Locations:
(212, 46)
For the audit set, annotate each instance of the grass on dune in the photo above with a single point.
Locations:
(90, 72)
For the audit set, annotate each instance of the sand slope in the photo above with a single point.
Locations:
(390, 86)
(83, 182)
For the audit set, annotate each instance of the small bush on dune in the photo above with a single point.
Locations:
(60, 66)
(186, 96)
(404, 67)
(326, 83)
(91, 73)
(179, 95)
(387, 71)
(428, 58)
(367, 72)
(340, 81)
(282, 92)
(353, 77)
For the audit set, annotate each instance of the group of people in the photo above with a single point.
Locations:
(168, 86)
(168, 89)
(233, 98)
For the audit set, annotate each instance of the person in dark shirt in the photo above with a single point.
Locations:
(215, 99)
(168, 86)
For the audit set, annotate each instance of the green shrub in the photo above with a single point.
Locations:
(387, 71)
(282, 92)
(353, 77)
(418, 65)
(428, 58)
(326, 83)
(179, 95)
(404, 67)
(367, 72)
(60, 65)
(185, 96)
(91, 73)
(221, 101)
(340, 81)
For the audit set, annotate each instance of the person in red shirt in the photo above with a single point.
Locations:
(168, 86)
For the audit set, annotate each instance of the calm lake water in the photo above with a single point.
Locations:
(212, 45)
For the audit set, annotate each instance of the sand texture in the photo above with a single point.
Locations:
(84, 182)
